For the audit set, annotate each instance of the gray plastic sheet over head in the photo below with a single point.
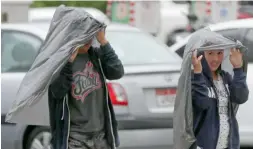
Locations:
(70, 27)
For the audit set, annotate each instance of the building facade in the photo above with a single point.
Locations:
(15, 11)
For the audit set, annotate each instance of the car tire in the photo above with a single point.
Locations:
(39, 138)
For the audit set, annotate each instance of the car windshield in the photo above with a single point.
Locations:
(137, 48)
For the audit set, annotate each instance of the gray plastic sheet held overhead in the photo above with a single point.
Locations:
(69, 28)
(183, 114)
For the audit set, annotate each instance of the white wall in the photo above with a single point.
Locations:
(16, 11)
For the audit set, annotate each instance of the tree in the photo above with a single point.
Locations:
(101, 5)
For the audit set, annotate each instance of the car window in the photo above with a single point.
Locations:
(180, 51)
(231, 33)
(249, 45)
(246, 2)
(180, 2)
(135, 48)
(18, 50)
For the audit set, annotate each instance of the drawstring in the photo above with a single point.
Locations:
(64, 100)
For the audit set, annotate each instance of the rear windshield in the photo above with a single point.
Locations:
(139, 48)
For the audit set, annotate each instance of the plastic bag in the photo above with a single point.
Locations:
(69, 28)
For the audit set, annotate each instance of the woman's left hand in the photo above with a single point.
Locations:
(236, 58)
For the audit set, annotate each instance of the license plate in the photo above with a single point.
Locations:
(165, 97)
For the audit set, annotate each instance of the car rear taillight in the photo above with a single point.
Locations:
(117, 94)
(242, 15)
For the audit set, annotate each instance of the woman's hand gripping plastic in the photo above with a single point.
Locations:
(196, 62)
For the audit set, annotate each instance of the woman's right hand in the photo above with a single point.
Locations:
(196, 62)
(73, 56)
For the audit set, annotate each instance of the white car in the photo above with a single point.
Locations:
(243, 31)
(143, 99)
(173, 19)
(45, 14)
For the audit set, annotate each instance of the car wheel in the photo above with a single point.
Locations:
(39, 138)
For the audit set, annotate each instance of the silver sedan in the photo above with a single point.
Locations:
(143, 99)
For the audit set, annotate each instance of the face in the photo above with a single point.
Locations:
(214, 58)
(86, 47)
